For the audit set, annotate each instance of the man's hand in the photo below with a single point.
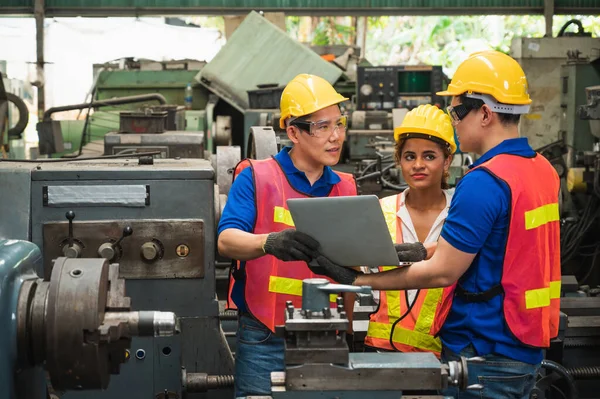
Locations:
(291, 245)
(340, 274)
(411, 252)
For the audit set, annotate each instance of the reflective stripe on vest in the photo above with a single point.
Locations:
(406, 337)
(282, 215)
(542, 297)
(418, 337)
(541, 215)
(290, 286)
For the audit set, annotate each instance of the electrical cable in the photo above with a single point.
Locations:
(562, 394)
(563, 372)
(577, 22)
(574, 234)
(592, 266)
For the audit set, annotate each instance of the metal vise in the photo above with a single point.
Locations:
(317, 358)
(78, 323)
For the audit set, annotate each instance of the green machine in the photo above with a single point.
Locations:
(130, 78)
(170, 83)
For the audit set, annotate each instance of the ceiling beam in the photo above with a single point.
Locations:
(126, 11)
(102, 8)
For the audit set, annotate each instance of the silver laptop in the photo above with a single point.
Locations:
(351, 230)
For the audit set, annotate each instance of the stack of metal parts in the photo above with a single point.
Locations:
(317, 359)
(156, 219)
(77, 323)
(159, 129)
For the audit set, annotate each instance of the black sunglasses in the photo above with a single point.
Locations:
(459, 112)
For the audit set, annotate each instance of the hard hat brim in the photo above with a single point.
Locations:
(338, 100)
(421, 132)
(448, 93)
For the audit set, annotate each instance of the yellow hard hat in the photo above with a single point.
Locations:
(493, 73)
(427, 121)
(306, 94)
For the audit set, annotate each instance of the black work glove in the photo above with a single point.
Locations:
(340, 274)
(411, 252)
(290, 245)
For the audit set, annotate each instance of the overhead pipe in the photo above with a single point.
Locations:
(104, 103)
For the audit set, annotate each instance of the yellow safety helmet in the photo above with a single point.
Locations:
(492, 73)
(306, 94)
(427, 121)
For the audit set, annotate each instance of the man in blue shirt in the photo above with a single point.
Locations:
(256, 229)
(487, 244)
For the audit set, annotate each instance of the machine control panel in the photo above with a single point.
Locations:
(144, 249)
(399, 86)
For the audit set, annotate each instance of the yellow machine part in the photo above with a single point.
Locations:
(575, 183)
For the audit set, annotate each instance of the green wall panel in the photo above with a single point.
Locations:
(16, 3)
(16, 7)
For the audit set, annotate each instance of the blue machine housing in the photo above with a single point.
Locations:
(18, 262)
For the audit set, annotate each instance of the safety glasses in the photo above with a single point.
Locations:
(324, 127)
(458, 112)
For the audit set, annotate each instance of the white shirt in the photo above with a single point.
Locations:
(409, 233)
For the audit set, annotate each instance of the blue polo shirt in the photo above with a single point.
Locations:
(240, 208)
(478, 222)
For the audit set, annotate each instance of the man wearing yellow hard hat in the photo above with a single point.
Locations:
(256, 228)
(499, 251)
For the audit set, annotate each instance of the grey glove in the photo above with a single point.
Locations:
(290, 245)
(411, 252)
(340, 274)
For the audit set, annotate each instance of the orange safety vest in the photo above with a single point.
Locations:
(270, 282)
(531, 269)
(395, 325)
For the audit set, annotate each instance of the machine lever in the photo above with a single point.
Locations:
(335, 288)
(127, 231)
(315, 293)
(70, 215)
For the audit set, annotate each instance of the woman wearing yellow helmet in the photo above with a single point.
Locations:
(424, 148)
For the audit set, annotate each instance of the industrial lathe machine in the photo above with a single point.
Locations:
(155, 219)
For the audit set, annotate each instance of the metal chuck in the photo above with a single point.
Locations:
(80, 324)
